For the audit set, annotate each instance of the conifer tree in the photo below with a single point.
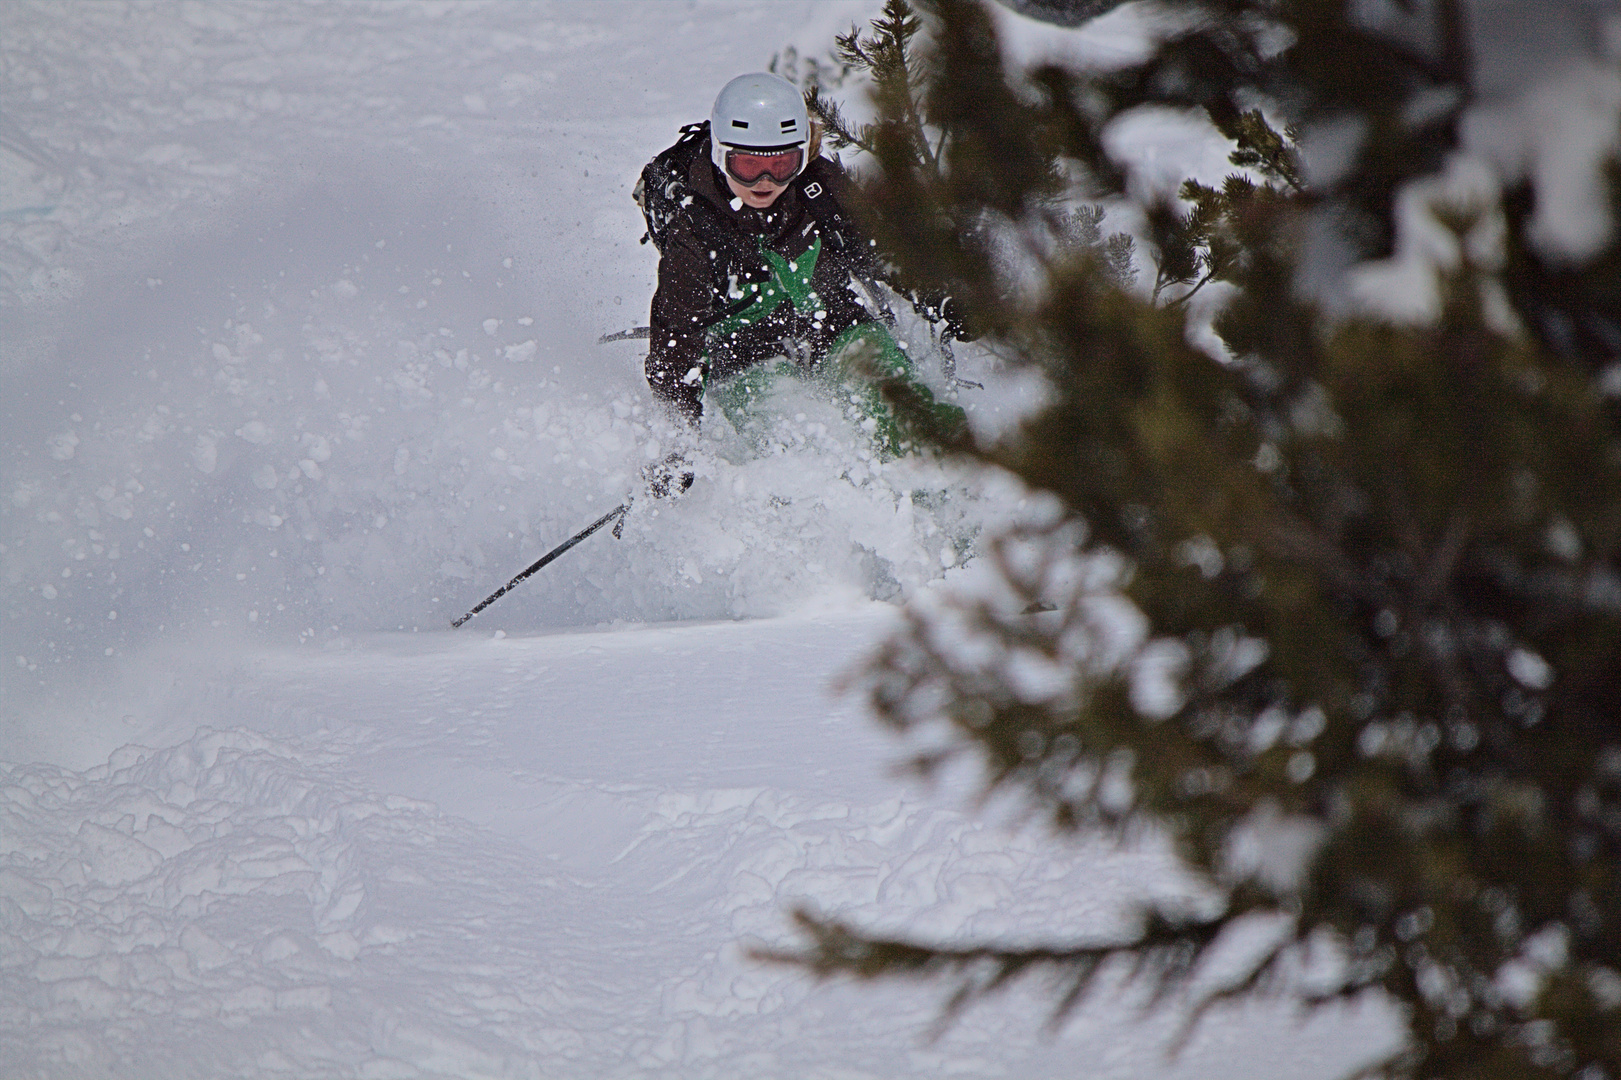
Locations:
(1379, 559)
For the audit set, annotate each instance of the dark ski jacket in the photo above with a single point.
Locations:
(737, 286)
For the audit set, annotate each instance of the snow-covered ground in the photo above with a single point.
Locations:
(298, 320)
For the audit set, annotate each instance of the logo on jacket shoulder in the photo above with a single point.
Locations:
(813, 189)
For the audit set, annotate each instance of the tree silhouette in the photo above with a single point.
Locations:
(1379, 558)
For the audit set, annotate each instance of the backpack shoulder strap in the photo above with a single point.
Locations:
(822, 191)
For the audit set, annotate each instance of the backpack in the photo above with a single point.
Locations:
(662, 189)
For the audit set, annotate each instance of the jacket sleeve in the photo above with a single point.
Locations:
(682, 310)
(864, 260)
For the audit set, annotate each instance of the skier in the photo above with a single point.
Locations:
(758, 263)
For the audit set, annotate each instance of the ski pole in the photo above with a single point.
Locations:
(948, 366)
(616, 512)
(635, 333)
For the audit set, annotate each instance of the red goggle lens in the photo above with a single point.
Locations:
(747, 168)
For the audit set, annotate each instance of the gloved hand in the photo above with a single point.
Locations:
(952, 324)
(669, 478)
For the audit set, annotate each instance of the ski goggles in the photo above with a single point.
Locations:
(748, 167)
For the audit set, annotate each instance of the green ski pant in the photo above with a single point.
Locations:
(855, 357)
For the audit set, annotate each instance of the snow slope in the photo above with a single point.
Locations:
(541, 856)
(298, 321)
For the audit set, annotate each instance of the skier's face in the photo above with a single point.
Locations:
(764, 192)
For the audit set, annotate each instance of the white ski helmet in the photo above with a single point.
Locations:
(759, 111)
